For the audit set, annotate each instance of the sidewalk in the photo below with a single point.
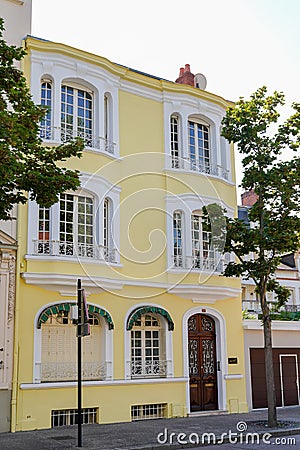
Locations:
(143, 435)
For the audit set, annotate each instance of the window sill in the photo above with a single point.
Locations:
(72, 260)
(73, 384)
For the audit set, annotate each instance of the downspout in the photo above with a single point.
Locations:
(16, 336)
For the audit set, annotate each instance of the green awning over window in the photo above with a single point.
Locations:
(137, 313)
(55, 309)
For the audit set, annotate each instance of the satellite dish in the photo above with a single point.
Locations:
(200, 81)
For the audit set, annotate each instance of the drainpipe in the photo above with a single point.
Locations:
(16, 335)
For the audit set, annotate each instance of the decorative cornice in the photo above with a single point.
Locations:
(59, 282)
(65, 284)
(204, 293)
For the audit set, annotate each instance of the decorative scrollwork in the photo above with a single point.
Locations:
(193, 357)
(207, 324)
(208, 360)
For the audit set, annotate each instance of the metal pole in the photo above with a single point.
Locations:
(79, 329)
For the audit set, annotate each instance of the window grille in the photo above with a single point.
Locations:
(63, 417)
(154, 411)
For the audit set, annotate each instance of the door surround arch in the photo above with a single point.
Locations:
(221, 353)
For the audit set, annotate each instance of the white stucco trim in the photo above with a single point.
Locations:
(221, 351)
(73, 384)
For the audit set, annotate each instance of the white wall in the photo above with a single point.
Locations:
(17, 19)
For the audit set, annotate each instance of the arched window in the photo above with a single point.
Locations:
(199, 147)
(46, 100)
(177, 239)
(59, 349)
(147, 347)
(76, 114)
(175, 150)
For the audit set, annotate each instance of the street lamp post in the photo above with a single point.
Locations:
(83, 329)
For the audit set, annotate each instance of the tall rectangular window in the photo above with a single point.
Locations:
(145, 347)
(199, 150)
(201, 242)
(76, 114)
(44, 231)
(177, 239)
(76, 225)
(175, 141)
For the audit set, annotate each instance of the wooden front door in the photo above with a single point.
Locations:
(202, 363)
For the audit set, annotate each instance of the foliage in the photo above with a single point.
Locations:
(26, 164)
(247, 315)
(274, 218)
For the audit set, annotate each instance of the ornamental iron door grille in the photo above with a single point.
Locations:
(202, 363)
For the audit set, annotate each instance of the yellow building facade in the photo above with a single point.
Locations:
(166, 329)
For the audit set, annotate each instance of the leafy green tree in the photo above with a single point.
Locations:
(26, 165)
(275, 217)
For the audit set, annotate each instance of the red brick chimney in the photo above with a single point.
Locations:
(249, 198)
(185, 76)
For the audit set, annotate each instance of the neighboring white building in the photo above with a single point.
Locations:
(17, 19)
(285, 334)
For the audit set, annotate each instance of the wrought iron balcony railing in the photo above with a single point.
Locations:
(67, 371)
(148, 368)
(57, 134)
(196, 166)
(213, 262)
(71, 249)
(253, 306)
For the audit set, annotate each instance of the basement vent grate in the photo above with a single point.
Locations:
(154, 411)
(63, 417)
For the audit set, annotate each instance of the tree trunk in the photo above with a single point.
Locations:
(270, 379)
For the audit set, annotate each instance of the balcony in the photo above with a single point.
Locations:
(73, 250)
(67, 371)
(192, 165)
(286, 312)
(215, 262)
(149, 369)
(60, 135)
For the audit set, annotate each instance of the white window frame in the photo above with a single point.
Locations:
(71, 130)
(167, 345)
(97, 188)
(202, 163)
(178, 256)
(149, 333)
(46, 129)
